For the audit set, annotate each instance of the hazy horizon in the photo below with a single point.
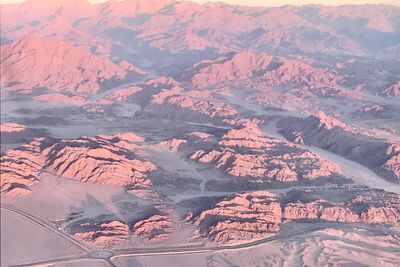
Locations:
(270, 3)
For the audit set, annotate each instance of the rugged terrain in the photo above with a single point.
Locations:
(160, 128)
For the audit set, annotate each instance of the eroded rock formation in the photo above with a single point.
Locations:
(32, 62)
(176, 96)
(242, 217)
(249, 216)
(246, 151)
(11, 128)
(102, 234)
(107, 160)
(20, 168)
(156, 227)
(327, 132)
(259, 70)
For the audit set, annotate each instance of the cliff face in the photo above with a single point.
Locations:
(349, 205)
(102, 234)
(20, 168)
(32, 62)
(329, 133)
(107, 160)
(258, 70)
(189, 100)
(249, 216)
(102, 160)
(392, 91)
(243, 217)
(156, 227)
(245, 151)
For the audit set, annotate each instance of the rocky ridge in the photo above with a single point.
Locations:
(106, 160)
(327, 132)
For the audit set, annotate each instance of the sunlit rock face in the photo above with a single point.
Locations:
(392, 91)
(214, 26)
(101, 234)
(177, 97)
(20, 168)
(156, 227)
(171, 145)
(245, 151)
(327, 132)
(344, 205)
(249, 216)
(33, 62)
(238, 109)
(241, 217)
(11, 128)
(113, 227)
(258, 70)
(105, 160)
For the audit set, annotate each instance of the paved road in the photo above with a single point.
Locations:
(45, 224)
(108, 256)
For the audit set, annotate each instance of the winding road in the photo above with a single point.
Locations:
(108, 256)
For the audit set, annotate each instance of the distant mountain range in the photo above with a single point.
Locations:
(367, 30)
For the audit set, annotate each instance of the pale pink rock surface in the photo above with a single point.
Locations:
(62, 98)
(106, 160)
(248, 216)
(12, 128)
(327, 132)
(154, 228)
(330, 122)
(122, 95)
(172, 145)
(20, 168)
(392, 91)
(246, 151)
(339, 214)
(101, 234)
(298, 210)
(245, 216)
(202, 135)
(241, 66)
(392, 165)
(100, 160)
(192, 26)
(258, 70)
(379, 18)
(177, 97)
(356, 205)
(36, 62)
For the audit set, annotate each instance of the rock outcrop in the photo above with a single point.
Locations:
(249, 216)
(329, 133)
(58, 98)
(11, 128)
(156, 227)
(33, 62)
(177, 97)
(257, 70)
(245, 151)
(349, 205)
(242, 217)
(171, 145)
(213, 26)
(123, 94)
(101, 234)
(21, 167)
(392, 91)
(106, 160)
